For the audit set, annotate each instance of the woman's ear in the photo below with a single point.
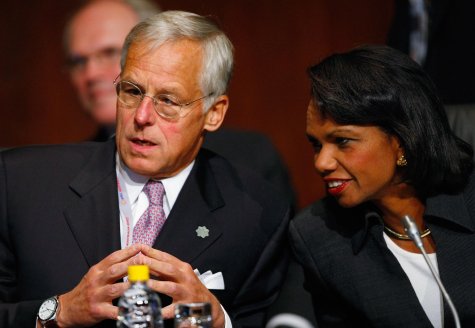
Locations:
(214, 117)
(400, 154)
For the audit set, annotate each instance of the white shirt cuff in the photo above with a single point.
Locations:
(227, 320)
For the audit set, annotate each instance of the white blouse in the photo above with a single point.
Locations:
(422, 281)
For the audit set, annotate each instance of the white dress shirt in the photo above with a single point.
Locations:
(133, 185)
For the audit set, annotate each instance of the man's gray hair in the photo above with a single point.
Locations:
(173, 26)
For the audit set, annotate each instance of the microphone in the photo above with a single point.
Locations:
(413, 233)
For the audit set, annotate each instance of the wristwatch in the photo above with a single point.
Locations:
(48, 311)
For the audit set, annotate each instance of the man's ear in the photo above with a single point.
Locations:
(214, 117)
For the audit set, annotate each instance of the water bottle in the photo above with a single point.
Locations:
(193, 315)
(139, 306)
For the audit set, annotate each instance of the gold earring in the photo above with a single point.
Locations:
(401, 161)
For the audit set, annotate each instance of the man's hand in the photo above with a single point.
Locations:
(91, 300)
(179, 281)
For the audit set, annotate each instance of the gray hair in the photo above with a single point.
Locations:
(172, 26)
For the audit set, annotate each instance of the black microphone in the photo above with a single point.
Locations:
(413, 233)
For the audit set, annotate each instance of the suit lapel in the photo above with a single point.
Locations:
(192, 215)
(391, 280)
(94, 216)
(451, 225)
(456, 268)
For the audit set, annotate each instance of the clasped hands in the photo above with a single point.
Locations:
(91, 300)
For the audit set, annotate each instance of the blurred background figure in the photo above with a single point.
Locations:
(438, 34)
(93, 41)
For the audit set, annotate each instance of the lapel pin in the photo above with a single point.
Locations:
(202, 232)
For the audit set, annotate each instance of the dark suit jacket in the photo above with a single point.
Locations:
(255, 151)
(248, 148)
(59, 216)
(356, 281)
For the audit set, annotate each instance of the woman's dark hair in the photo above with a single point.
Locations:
(380, 86)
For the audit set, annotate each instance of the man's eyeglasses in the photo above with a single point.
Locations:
(105, 57)
(130, 96)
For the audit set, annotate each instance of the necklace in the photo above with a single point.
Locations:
(401, 236)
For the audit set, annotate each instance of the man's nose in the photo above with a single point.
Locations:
(145, 112)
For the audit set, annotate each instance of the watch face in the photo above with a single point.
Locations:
(47, 309)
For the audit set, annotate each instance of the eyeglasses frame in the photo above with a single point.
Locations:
(156, 101)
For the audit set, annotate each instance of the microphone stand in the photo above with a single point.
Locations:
(412, 231)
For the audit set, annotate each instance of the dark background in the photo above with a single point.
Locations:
(275, 41)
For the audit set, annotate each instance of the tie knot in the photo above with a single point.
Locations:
(154, 191)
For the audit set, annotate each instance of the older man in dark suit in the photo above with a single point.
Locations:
(93, 38)
(73, 217)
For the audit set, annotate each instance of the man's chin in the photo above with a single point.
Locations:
(143, 167)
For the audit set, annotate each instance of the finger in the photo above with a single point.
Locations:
(159, 255)
(166, 266)
(182, 293)
(168, 312)
(121, 255)
(120, 270)
(163, 270)
(113, 267)
(109, 311)
(170, 288)
(108, 293)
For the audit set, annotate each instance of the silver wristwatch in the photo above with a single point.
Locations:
(48, 311)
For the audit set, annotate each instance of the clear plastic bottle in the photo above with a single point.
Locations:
(139, 306)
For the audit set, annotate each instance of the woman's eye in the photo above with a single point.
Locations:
(316, 145)
(342, 141)
(314, 142)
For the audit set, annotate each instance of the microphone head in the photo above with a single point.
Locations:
(412, 231)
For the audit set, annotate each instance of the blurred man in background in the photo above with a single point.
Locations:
(93, 42)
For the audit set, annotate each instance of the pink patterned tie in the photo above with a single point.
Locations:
(151, 222)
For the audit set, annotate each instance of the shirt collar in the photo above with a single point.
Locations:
(449, 208)
(135, 182)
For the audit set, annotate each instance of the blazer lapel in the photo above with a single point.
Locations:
(94, 216)
(191, 227)
(391, 284)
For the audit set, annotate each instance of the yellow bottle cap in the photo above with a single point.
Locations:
(138, 273)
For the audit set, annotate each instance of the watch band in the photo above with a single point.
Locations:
(51, 324)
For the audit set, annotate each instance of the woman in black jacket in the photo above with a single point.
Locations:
(384, 149)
